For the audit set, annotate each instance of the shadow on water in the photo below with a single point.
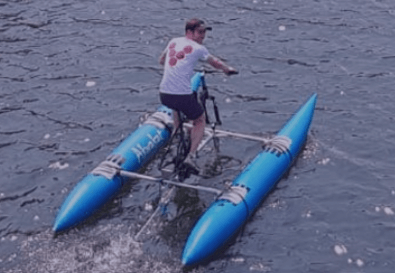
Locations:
(216, 165)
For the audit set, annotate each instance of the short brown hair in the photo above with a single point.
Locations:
(194, 23)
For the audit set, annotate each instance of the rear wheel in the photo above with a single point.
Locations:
(183, 148)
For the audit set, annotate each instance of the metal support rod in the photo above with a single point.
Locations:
(204, 142)
(164, 201)
(159, 180)
(223, 133)
(239, 135)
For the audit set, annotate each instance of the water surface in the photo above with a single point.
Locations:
(76, 77)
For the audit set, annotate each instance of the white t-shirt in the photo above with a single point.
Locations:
(182, 54)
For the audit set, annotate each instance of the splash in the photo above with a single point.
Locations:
(110, 248)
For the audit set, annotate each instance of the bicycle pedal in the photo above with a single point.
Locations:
(190, 169)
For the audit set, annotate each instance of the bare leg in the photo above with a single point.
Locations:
(197, 133)
(176, 120)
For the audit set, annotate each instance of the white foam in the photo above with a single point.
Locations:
(90, 83)
(307, 214)
(238, 260)
(110, 248)
(260, 267)
(58, 166)
(359, 262)
(388, 211)
(324, 161)
(148, 207)
(340, 249)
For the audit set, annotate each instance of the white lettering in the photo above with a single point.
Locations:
(142, 152)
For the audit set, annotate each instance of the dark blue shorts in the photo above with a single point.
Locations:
(187, 104)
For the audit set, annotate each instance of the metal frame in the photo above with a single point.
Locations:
(279, 144)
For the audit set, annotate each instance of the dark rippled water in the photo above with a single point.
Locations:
(75, 76)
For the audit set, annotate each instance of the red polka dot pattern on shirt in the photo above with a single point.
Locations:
(172, 61)
(172, 53)
(188, 49)
(178, 55)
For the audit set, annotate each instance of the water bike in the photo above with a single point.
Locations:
(232, 207)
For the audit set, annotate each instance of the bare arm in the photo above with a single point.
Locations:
(218, 64)
(162, 57)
